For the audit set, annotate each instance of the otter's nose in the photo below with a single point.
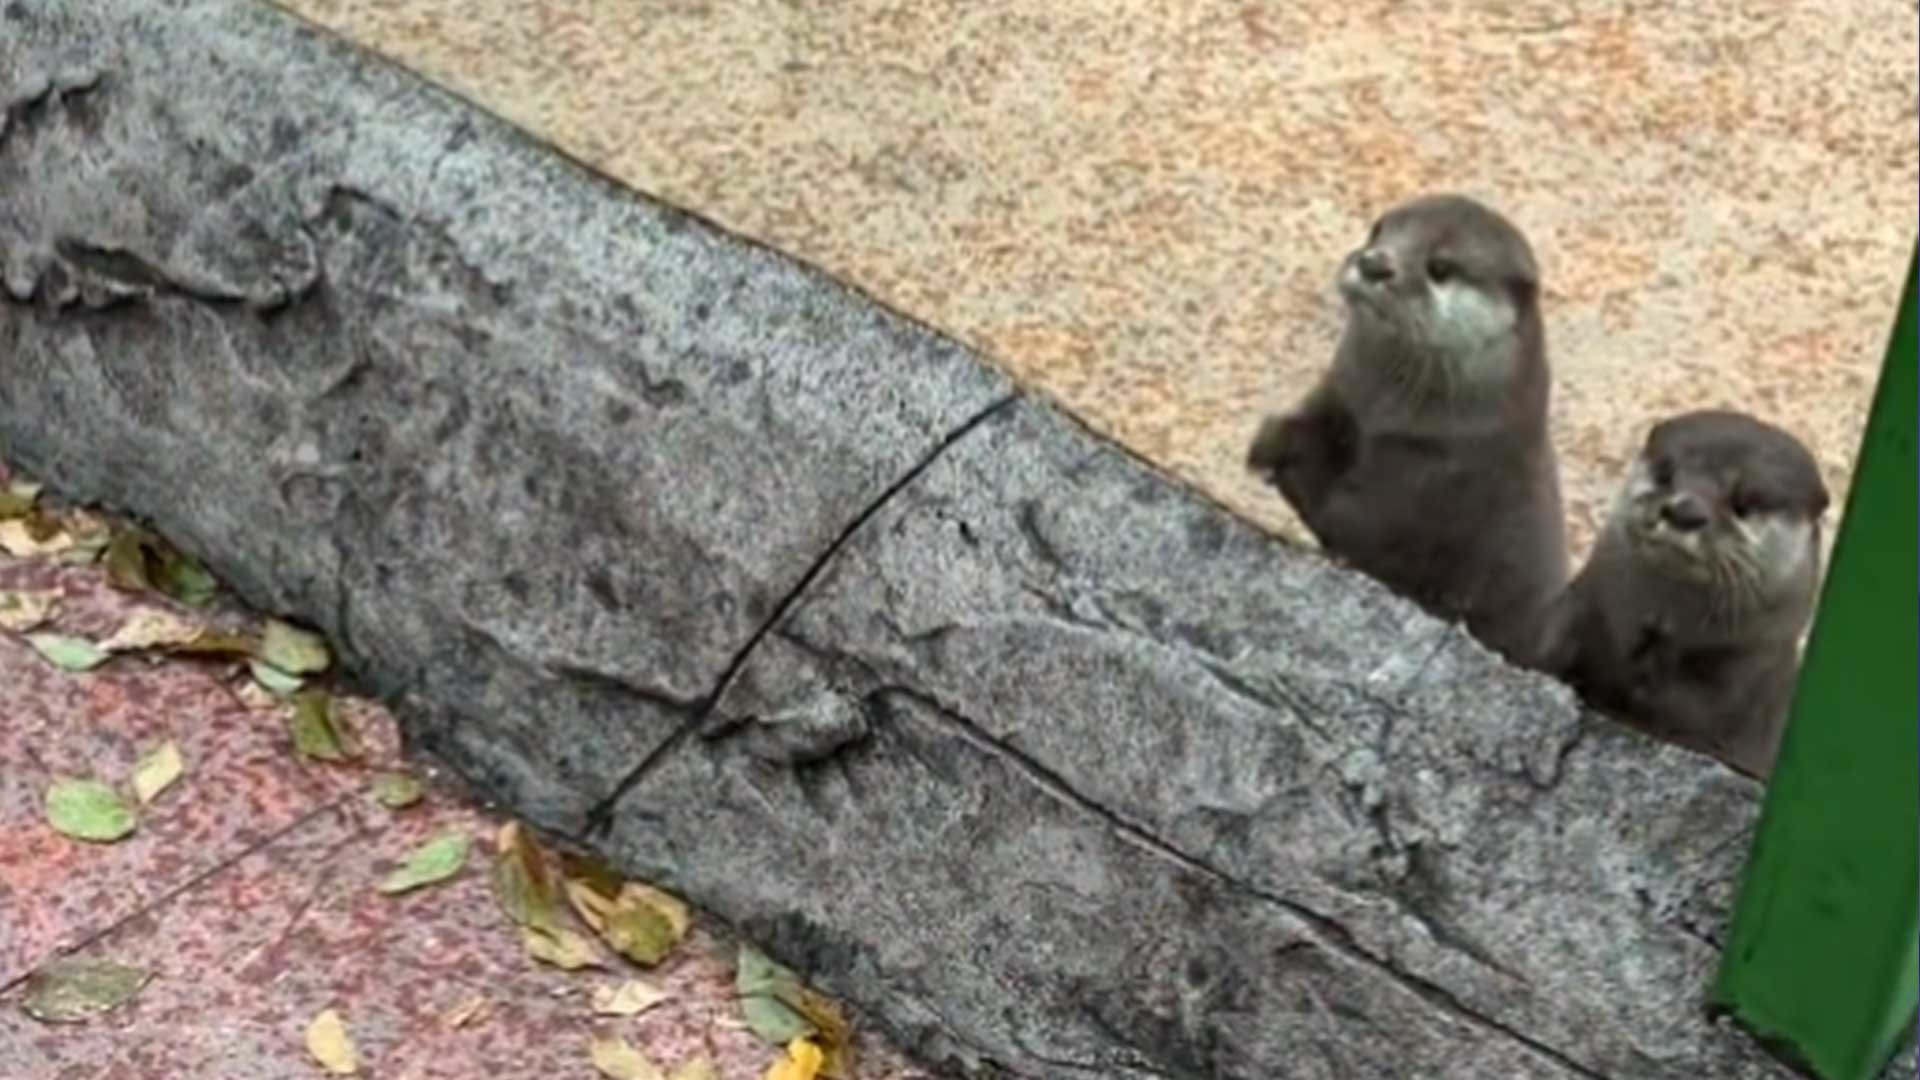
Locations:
(1685, 513)
(1374, 265)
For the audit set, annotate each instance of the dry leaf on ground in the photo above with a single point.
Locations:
(89, 810)
(397, 790)
(74, 991)
(330, 1045)
(150, 628)
(24, 610)
(293, 650)
(616, 1059)
(68, 653)
(273, 679)
(155, 772)
(630, 998)
(568, 950)
(434, 861)
(803, 1061)
(316, 733)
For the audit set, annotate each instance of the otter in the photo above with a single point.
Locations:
(1686, 620)
(1421, 457)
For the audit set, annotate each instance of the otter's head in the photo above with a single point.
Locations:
(1725, 501)
(1451, 281)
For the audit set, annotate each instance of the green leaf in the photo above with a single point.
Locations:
(88, 810)
(157, 771)
(75, 991)
(293, 650)
(774, 1021)
(397, 790)
(127, 560)
(279, 682)
(182, 577)
(521, 882)
(756, 973)
(436, 860)
(315, 735)
(68, 653)
(640, 933)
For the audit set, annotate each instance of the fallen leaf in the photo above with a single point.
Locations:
(155, 772)
(150, 628)
(21, 611)
(630, 998)
(126, 555)
(18, 498)
(639, 921)
(803, 1062)
(757, 973)
(466, 1012)
(330, 1045)
(772, 1020)
(68, 653)
(436, 860)
(832, 1033)
(182, 577)
(88, 535)
(216, 643)
(699, 1067)
(89, 810)
(273, 679)
(315, 733)
(617, 1060)
(74, 991)
(254, 696)
(521, 882)
(31, 535)
(568, 950)
(293, 650)
(396, 790)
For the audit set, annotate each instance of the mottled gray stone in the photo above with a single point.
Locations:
(688, 553)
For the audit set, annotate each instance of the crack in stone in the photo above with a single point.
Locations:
(1328, 931)
(600, 817)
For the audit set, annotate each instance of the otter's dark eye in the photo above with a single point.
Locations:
(1440, 269)
(1663, 471)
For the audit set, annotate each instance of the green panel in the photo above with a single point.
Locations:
(1821, 957)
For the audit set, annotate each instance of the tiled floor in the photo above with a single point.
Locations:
(247, 891)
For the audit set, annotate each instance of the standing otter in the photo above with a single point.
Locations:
(1421, 458)
(1687, 619)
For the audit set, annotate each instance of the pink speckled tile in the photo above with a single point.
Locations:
(248, 890)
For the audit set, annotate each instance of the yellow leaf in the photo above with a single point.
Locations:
(802, 1062)
(153, 773)
(22, 611)
(329, 1044)
(26, 536)
(617, 1060)
(150, 628)
(521, 882)
(630, 998)
(834, 1034)
(565, 949)
(700, 1067)
(639, 921)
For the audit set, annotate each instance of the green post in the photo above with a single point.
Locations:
(1821, 958)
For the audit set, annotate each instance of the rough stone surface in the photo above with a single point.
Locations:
(687, 552)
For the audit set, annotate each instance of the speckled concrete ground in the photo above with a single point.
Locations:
(1138, 205)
